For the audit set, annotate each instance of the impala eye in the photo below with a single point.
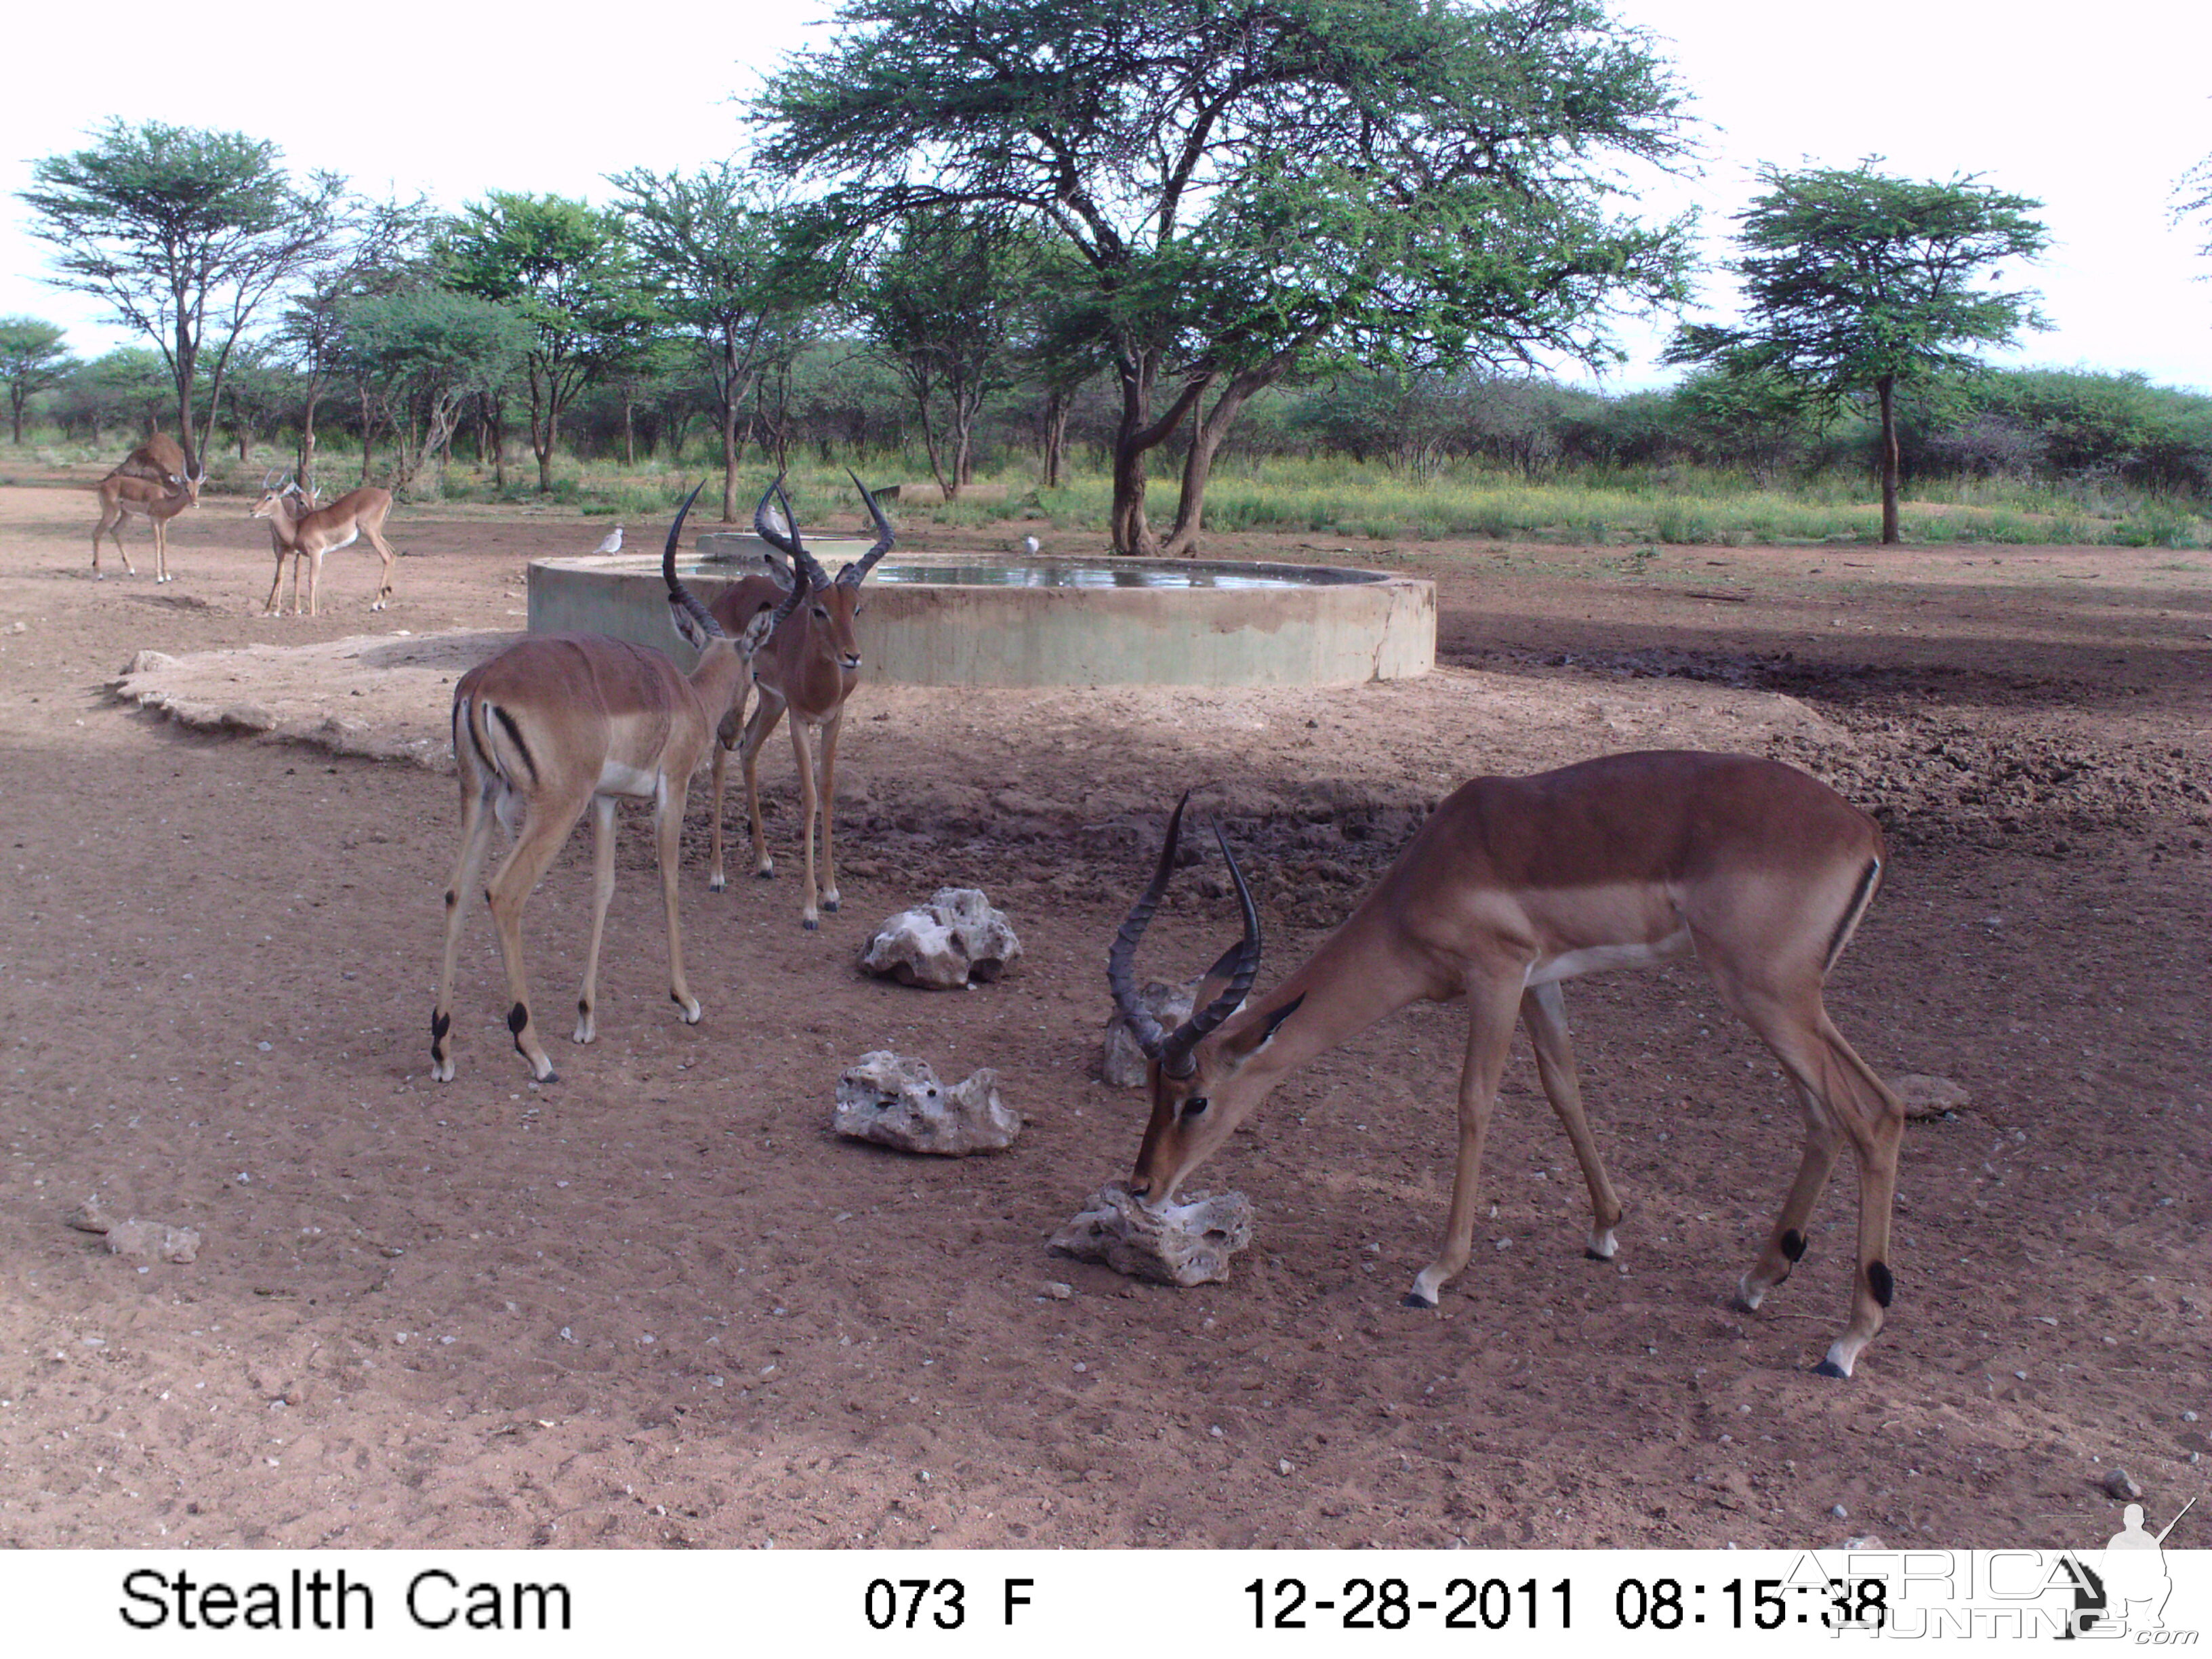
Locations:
(1192, 1106)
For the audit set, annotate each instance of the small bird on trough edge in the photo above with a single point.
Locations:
(612, 544)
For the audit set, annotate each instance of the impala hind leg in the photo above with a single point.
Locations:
(1544, 1012)
(383, 551)
(545, 829)
(603, 889)
(468, 871)
(1490, 1011)
(668, 832)
(1843, 1101)
(161, 552)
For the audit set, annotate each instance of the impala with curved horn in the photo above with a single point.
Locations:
(554, 724)
(1516, 885)
(303, 532)
(808, 669)
(123, 496)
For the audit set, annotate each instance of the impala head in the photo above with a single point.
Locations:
(274, 489)
(833, 607)
(1198, 1099)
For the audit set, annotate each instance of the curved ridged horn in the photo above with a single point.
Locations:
(808, 566)
(677, 593)
(764, 527)
(1176, 1052)
(1120, 959)
(855, 573)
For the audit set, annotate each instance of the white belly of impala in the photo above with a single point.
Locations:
(352, 536)
(615, 779)
(1596, 958)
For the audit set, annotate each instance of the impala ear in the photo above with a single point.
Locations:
(685, 624)
(1248, 1045)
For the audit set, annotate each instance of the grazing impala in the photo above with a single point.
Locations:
(1512, 886)
(558, 723)
(809, 668)
(303, 532)
(123, 496)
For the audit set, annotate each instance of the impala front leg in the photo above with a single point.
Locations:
(831, 728)
(668, 830)
(1490, 1010)
(468, 870)
(810, 913)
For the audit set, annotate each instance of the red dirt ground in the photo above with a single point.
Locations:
(658, 1302)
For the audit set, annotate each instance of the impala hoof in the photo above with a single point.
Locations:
(717, 882)
(811, 923)
(829, 900)
(1829, 1368)
(1415, 1299)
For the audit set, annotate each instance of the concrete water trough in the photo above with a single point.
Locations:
(977, 619)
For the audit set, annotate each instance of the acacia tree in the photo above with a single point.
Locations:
(566, 267)
(186, 234)
(1251, 183)
(1856, 283)
(431, 350)
(32, 358)
(946, 305)
(379, 247)
(726, 270)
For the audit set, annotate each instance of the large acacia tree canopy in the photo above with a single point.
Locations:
(1852, 278)
(1380, 175)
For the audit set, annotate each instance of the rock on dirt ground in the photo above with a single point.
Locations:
(659, 1303)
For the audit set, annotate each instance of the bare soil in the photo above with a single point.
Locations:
(658, 1302)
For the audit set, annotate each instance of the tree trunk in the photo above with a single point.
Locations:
(305, 470)
(1205, 442)
(629, 432)
(15, 409)
(1133, 440)
(1056, 435)
(1887, 387)
(368, 436)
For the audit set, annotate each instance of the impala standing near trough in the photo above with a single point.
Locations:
(558, 723)
(808, 669)
(303, 532)
(1515, 884)
(124, 494)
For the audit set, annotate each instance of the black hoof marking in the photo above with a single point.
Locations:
(811, 926)
(1596, 1255)
(1793, 1246)
(763, 875)
(449, 898)
(584, 1006)
(517, 1018)
(829, 904)
(1829, 1368)
(440, 1024)
(1415, 1299)
(679, 1002)
(1879, 1281)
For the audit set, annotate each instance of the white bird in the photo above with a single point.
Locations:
(613, 543)
(1032, 546)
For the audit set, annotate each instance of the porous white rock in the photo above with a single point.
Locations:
(1121, 1063)
(154, 1241)
(1186, 1243)
(895, 1102)
(955, 941)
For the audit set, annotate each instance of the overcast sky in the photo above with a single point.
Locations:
(2095, 111)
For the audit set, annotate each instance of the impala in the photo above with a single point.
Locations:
(554, 724)
(123, 496)
(161, 459)
(1515, 884)
(808, 669)
(303, 532)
